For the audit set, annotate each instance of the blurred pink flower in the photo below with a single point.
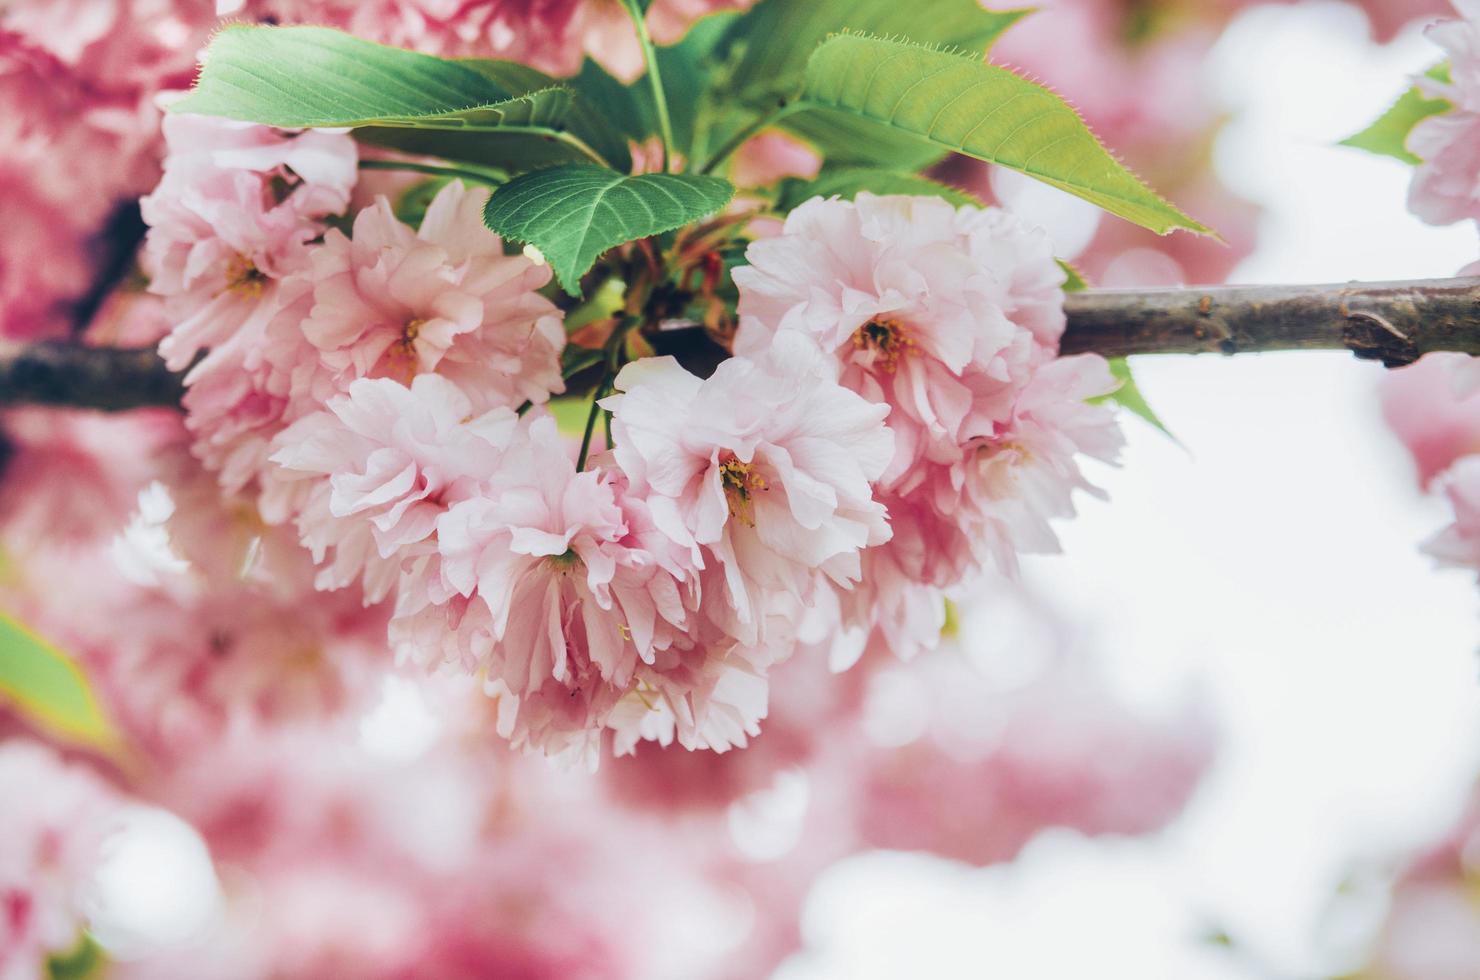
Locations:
(1434, 407)
(54, 817)
(1444, 188)
(1459, 543)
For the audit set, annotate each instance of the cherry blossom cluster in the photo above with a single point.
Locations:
(896, 419)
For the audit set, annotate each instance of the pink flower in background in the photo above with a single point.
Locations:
(1431, 929)
(390, 302)
(1459, 544)
(1434, 407)
(551, 35)
(766, 467)
(387, 463)
(1067, 754)
(1444, 188)
(54, 817)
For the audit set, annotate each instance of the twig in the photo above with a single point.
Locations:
(1392, 322)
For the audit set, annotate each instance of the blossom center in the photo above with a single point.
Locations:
(886, 340)
(403, 352)
(242, 275)
(566, 561)
(741, 482)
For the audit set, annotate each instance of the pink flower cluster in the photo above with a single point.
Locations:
(381, 391)
(950, 318)
(1434, 407)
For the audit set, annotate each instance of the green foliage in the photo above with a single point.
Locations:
(848, 182)
(1388, 136)
(1128, 396)
(777, 37)
(1074, 281)
(303, 77)
(981, 110)
(312, 76)
(85, 961)
(48, 687)
(573, 214)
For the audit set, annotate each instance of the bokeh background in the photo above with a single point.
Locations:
(1204, 742)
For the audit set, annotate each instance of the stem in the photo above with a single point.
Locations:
(734, 143)
(483, 177)
(655, 79)
(596, 398)
(1392, 322)
(108, 378)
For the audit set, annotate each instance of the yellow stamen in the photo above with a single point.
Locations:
(887, 339)
(740, 481)
(244, 277)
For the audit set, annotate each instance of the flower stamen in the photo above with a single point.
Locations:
(886, 339)
(740, 481)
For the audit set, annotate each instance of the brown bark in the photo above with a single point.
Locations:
(1393, 322)
(109, 378)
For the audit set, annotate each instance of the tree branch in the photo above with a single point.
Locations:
(109, 378)
(1393, 322)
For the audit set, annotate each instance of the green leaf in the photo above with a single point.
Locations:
(49, 687)
(575, 213)
(85, 961)
(1388, 136)
(848, 182)
(1074, 281)
(981, 110)
(305, 77)
(586, 118)
(693, 77)
(776, 37)
(301, 77)
(1128, 396)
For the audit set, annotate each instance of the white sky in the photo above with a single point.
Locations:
(1274, 567)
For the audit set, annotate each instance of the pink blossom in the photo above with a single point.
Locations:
(766, 467)
(1444, 188)
(911, 295)
(391, 302)
(1434, 408)
(54, 817)
(951, 318)
(1459, 544)
(551, 35)
(562, 604)
(1016, 479)
(387, 462)
(232, 216)
(1062, 753)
